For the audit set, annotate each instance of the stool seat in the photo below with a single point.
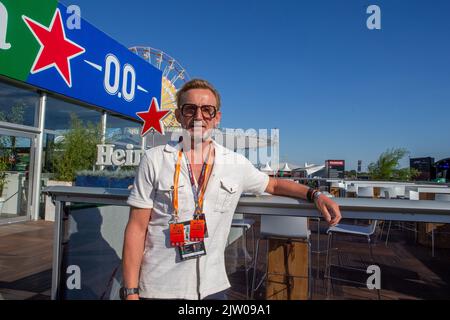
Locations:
(243, 223)
(284, 227)
(352, 229)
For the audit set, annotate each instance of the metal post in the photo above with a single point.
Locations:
(309, 271)
(57, 241)
(252, 294)
(245, 262)
(328, 264)
(104, 119)
(388, 232)
(37, 168)
(318, 248)
(432, 242)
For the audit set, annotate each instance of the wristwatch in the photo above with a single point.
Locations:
(316, 195)
(125, 292)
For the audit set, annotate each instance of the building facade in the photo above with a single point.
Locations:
(58, 70)
(32, 122)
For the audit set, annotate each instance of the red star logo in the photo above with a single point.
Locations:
(152, 118)
(56, 50)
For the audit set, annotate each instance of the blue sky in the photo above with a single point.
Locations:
(312, 69)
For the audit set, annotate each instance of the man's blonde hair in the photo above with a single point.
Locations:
(198, 84)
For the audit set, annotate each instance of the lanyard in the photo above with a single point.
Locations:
(202, 183)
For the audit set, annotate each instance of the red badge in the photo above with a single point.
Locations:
(197, 230)
(176, 234)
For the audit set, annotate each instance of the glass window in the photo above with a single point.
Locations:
(15, 154)
(58, 120)
(57, 114)
(120, 132)
(18, 105)
(48, 153)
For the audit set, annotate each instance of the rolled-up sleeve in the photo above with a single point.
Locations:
(254, 181)
(143, 190)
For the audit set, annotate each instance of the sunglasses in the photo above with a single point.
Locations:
(189, 110)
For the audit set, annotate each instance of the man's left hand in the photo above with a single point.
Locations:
(329, 209)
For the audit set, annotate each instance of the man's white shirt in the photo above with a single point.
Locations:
(163, 275)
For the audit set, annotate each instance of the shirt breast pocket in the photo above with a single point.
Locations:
(228, 192)
(163, 202)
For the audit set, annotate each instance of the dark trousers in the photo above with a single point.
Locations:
(221, 295)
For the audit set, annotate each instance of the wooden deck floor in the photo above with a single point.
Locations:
(26, 260)
(407, 270)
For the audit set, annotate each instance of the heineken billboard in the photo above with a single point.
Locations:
(45, 44)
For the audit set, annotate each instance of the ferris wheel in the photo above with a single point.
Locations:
(173, 78)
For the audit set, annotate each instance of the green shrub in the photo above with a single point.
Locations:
(78, 150)
(4, 166)
(388, 168)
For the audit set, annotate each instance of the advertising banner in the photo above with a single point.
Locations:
(47, 45)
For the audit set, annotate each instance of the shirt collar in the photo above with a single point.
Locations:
(173, 146)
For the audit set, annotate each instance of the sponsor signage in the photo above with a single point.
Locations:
(45, 44)
(107, 155)
(335, 168)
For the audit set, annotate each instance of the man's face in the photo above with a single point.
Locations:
(194, 113)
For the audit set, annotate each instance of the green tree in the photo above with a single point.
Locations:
(78, 150)
(388, 168)
(352, 174)
(15, 115)
(5, 153)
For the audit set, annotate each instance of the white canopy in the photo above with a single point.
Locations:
(310, 168)
(266, 168)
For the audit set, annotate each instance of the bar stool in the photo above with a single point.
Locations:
(294, 229)
(245, 225)
(318, 252)
(356, 230)
(364, 192)
(413, 196)
(437, 197)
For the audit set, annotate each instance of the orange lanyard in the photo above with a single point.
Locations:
(175, 185)
(205, 180)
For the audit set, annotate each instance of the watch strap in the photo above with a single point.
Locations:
(125, 292)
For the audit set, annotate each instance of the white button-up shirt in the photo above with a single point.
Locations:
(163, 274)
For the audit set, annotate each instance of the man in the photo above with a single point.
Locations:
(192, 188)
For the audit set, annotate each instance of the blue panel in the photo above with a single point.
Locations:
(88, 73)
